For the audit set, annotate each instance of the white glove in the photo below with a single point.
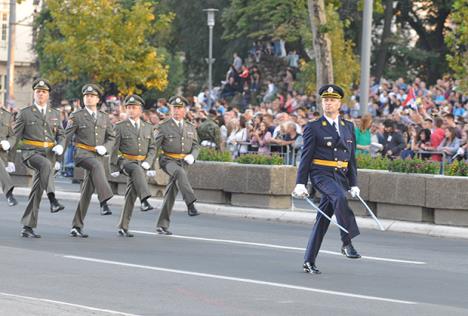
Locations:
(10, 168)
(58, 149)
(5, 145)
(151, 173)
(115, 174)
(101, 150)
(145, 165)
(354, 191)
(300, 191)
(189, 159)
(461, 152)
(57, 166)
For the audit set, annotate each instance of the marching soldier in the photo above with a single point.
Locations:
(7, 154)
(94, 137)
(178, 141)
(133, 155)
(40, 132)
(328, 159)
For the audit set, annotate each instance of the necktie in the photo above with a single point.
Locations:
(180, 126)
(136, 126)
(43, 112)
(336, 128)
(94, 116)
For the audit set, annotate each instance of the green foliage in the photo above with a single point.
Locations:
(104, 41)
(258, 159)
(346, 67)
(457, 42)
(457, 168)
(365, 161)
(207, 154)
(414, 166)
(265, 20)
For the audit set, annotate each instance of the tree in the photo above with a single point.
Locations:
(429, 20)
(322, 45)
(457, 42)
(104, 41)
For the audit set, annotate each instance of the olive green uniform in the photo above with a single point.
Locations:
(33, 126)
(133, 147)
(171, 139)
(90, 132)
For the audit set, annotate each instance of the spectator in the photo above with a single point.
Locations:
(363, 134)
(437, 137)
(293, 59)
(261, 137)
(238, 138)
(393, 140)
(450, 144)
(237, 62)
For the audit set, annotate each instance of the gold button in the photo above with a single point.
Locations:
(96, 134)
(182, 144)
(334, 149)
(336, 158)
(45, 131)
(336, 169)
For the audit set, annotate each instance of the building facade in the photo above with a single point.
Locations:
(24, 55)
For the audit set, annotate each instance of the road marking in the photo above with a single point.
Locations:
(67, 304)
(242, 280)
(238, 242)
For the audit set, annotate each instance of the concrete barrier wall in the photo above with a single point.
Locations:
(410, 197)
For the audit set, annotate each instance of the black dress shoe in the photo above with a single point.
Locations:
(350, 252)
(163, 231)
(310, 268)
(105, 210)
(11, 200)
(77, 232)
(145, 206)
(55, 206)
(28, 232)
(124, 233)
(192, 211)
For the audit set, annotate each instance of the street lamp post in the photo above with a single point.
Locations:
(211, 22)
(365, 55)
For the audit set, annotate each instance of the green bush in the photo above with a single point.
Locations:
(414, 166)
(457, 168)
(257, 159)
(207, 154)
(365, 161)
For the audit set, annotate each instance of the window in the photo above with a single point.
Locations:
(4, 30)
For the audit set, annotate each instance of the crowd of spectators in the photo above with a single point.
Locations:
(268, 115)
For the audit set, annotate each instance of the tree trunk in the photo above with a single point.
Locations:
(382, 54)
(321, 42)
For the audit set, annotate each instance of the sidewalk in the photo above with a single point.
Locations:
(293, 215)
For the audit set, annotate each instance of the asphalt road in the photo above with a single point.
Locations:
(216, 265)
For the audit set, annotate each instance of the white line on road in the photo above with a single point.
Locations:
(67, 304)
(242, 280)
(238, 242)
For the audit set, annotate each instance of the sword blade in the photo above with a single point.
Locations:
(326, 216)
(371, 213)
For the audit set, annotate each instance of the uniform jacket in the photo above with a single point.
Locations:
(88, 131)
(132, 142)
(169, 138)
(6, 133)
(32, 125)
(321, 141)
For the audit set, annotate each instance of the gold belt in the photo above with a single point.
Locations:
(173, 155)
(133, 157)
(36, 143)
(85, 147)
(330, 163)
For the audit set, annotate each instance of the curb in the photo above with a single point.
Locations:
(300, 216)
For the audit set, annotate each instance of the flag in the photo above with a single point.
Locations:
(410, 100)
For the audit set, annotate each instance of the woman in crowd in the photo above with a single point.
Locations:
(238, 138)
(363, 134)
(261, 137)
(450, 144)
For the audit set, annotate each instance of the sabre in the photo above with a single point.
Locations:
(326, 216)
(371, 213)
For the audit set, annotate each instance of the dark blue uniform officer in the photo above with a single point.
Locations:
(328, 160)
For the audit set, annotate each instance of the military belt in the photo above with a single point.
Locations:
(174, 155)
(85, 147)
(330, 163)
(133, 157)
(40, 144)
